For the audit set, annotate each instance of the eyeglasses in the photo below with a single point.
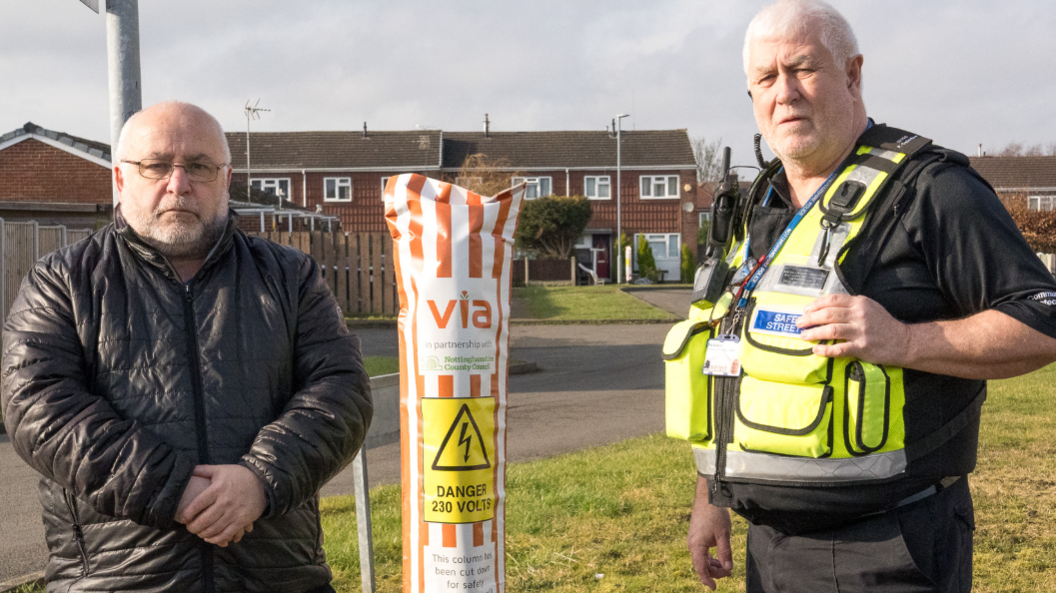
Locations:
(151, 169)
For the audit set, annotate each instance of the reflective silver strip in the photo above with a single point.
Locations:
(863, 174)
(705, 459)
(884, 154)
(763, 466)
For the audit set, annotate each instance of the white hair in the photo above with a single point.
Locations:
(790, 19)
(119, 154)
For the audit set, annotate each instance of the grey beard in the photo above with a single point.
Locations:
(189, 245)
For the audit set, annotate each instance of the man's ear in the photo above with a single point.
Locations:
(854, 74)
(119, 179)
(230, 170)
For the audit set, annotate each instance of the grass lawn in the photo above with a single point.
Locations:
(585, 303)
(622, 511)
(381, 365)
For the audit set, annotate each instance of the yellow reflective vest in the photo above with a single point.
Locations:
(790, 417)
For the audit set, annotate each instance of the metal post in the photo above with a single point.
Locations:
(619, 187)
(249, 194)
(122, 50)
(252, 112)
(366, 534)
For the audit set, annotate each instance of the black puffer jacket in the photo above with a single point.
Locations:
(118, 379)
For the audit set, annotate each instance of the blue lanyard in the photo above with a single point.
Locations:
(750, 284)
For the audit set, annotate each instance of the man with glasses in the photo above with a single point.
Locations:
(184, 390)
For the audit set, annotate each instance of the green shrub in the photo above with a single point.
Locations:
(551, 226)
(702, 232)
(646, 261)
(688, 265)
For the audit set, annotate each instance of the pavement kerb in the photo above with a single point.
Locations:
(8, 585)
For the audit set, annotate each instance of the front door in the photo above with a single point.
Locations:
(601, 250)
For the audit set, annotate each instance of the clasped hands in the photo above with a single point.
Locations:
(221, 502)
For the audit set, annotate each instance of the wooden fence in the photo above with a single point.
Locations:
(544, 271)
(21, 245)
(357, 266)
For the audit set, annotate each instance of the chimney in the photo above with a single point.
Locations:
(364, 129)
(487, 126)
(980, 149)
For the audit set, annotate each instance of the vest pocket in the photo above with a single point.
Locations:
(781, 358)
(688, 391)
(783, 418)
(867, 413)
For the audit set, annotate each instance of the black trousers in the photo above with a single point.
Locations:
(924, 546)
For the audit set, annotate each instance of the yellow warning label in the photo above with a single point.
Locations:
(458, 451)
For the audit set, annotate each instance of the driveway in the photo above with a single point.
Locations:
(673, 300)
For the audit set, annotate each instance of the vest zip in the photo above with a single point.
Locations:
(723, 414)
(78, 533)
(199, 415)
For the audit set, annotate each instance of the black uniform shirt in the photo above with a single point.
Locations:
(954, 252)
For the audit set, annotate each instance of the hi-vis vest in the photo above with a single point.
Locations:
(792, 417)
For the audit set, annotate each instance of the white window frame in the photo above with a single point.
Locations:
(535, 182)
(1042, 203)
(645, 190)
(599, 181)
(704, 216)
(657, 237)
(384, 182)
(272, 185)
(339, 182)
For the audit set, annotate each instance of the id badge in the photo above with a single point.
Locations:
(721, 357)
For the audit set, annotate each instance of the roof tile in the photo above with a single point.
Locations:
(571, 148)
(1017, 172)
(296, 150)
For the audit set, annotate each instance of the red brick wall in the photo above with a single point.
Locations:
(643, 216)
(33, 171)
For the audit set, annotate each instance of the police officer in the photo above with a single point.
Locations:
(909, 285)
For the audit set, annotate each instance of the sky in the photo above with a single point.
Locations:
(962, 72)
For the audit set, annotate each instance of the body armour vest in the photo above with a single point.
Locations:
(774, 412)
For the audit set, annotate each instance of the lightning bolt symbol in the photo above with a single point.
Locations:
(463, 439)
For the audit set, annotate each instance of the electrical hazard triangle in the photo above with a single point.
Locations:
(463, 447)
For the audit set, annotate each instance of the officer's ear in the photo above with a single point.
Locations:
(854, 75)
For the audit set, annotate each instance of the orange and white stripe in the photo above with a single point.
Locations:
(449, 242)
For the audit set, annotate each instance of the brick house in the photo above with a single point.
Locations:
(55, 178)
(341, 173)
(1021, 177)
(337, 173)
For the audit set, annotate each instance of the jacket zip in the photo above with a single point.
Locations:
(199, 415)
(78, 534)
